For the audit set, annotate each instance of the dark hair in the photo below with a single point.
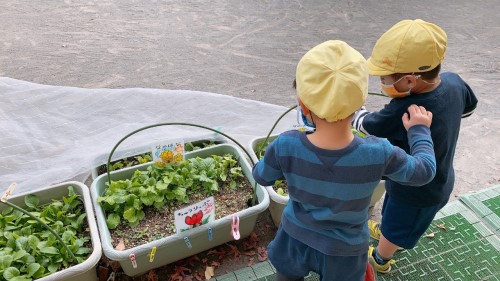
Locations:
(294, 83)
(426, 75)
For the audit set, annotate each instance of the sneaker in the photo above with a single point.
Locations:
(374, 228)
(382, 268)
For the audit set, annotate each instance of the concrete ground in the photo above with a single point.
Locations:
(246, 49)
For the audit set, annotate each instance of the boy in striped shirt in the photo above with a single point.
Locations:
(331, 173)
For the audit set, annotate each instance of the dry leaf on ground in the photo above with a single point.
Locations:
(121, 245)
(262, 253)
(209, 272)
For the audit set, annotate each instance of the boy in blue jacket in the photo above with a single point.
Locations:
(408, 59)
(331, 173)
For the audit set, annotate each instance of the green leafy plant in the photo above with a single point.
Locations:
(125, 200)
(148, 157)
(29, 251)
(192, 146)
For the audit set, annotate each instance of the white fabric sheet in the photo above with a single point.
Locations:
(51, 134)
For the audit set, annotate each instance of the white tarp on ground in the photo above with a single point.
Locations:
(51, 134)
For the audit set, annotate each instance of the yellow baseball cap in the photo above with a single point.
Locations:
(332, 80)
(409, 46)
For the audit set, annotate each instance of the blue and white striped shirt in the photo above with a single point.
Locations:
(330, 190)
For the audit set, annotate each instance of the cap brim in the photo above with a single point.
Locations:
(376, 70)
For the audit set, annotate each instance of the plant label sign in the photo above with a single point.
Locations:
(173, 151)
(195, 215)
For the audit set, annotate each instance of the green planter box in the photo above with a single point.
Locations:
(173, 248)
(278, 202)
(85, 271)
(103, 158)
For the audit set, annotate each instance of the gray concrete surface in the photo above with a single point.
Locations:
(246, 49)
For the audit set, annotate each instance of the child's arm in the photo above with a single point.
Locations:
(267, 170)
(470, 102)
(357, 120)
(418, 168)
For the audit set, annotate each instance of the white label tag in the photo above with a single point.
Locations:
(172, 151)
(195, 215)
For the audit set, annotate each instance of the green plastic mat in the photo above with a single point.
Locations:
(486, 204)
(464, 247)
(263, 271)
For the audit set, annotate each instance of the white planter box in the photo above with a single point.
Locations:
(173, 248)
(277, 202)
(85, 271)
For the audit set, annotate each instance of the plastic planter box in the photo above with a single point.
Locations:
(85, 271)
(178, 246)
(103, 158)
(278, 202)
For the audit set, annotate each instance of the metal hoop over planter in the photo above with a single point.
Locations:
(108, 166)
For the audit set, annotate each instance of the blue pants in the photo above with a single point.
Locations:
(403, 225)
(294, 260)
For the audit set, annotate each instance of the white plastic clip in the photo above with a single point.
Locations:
(132, 260)
(8, 192)
(188, 243)
(152, 254)
(235, 227)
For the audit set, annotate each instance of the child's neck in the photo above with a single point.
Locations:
(332, 136)
(425, 87)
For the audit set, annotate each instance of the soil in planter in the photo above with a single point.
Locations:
(159, 224)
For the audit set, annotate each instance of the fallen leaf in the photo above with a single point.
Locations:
(261, 253)
(180, 274)
(152, 276)
(249, 253)
(221, 253)
(192, 260)
(441, 226)
(430, 235)
(250, 262)
(248, 245)
(215, 264)
(198, 276)
(209, 272)
(253, 237)
(234, 250)
(121, 245)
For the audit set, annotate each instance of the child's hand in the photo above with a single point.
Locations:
(418, 116)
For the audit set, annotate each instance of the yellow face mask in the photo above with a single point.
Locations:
(390, 90)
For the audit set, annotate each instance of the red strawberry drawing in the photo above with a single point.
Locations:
(194, 219)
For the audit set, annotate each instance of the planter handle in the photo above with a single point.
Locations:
(170, 124)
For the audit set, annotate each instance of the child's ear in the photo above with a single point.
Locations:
(305, 110)
(411, 80)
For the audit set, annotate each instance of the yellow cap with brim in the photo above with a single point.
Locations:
(332, 80)
(407, 47)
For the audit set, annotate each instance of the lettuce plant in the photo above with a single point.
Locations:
(29, 251)
(124, 200)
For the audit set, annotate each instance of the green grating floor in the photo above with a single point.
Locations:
(468, 249)
(486, 204)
